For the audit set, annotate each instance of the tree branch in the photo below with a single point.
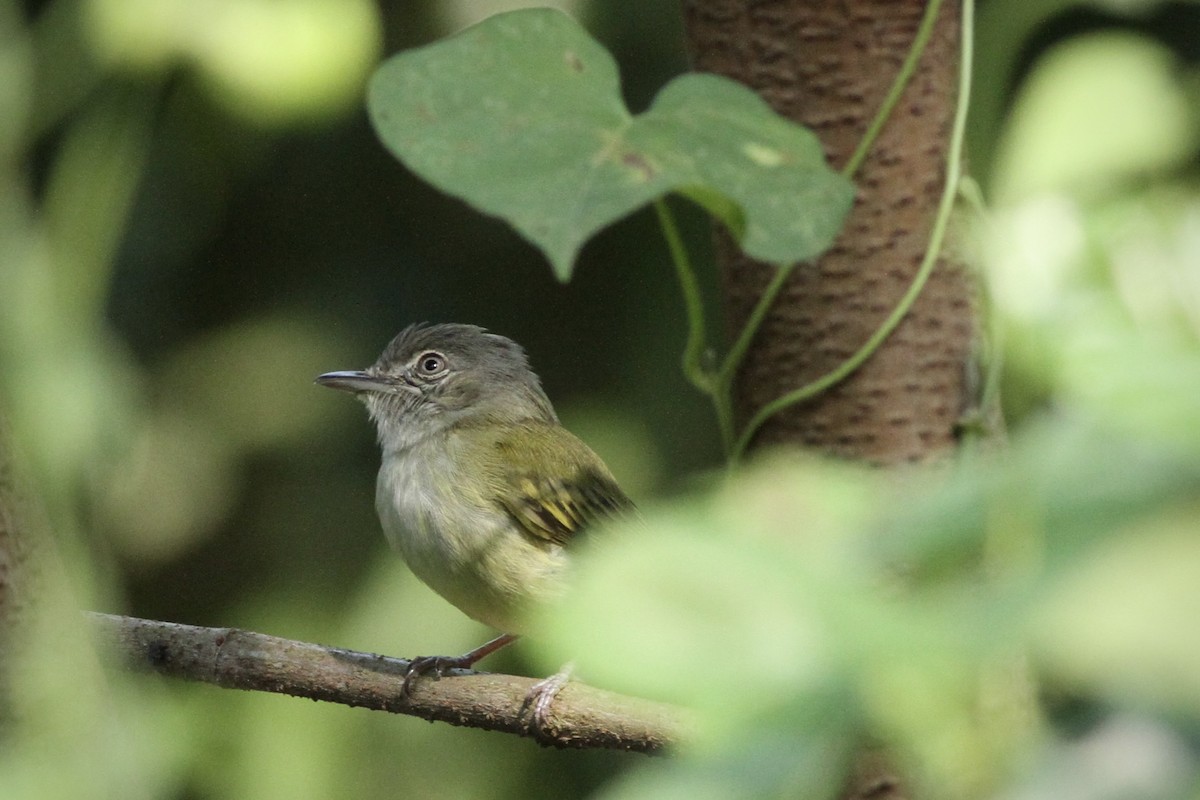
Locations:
(581, 716)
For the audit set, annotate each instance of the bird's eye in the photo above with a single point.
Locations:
(431, 364)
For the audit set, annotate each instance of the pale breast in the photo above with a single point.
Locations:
(461, 545)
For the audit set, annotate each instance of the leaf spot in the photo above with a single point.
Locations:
(639, 164)
(762, 155)
(573, 61)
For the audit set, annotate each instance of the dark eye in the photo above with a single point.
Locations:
(431, 364)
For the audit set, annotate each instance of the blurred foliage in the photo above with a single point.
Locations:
(195, 220)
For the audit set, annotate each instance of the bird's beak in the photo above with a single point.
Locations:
(353, 381)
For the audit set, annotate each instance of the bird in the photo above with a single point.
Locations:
(481, 489)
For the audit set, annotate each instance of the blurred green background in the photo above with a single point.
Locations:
(196, 219)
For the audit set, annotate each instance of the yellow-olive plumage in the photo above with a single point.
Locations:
(481, 489)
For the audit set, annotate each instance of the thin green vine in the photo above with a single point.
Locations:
(907, 69)
(734, 359)
(718, 384)
(941, 222)
(693, 352)
(736, 353)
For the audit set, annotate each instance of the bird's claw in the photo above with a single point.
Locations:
(440, 665)
(431, 665)
(541, 696)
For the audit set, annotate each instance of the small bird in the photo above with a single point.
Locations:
(481, 489)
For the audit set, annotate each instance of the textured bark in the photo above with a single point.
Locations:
(829, 64)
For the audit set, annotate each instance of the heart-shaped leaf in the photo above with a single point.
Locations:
(521, 116)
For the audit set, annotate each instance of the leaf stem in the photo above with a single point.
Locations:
(694, 368)
(693, 352)
(937, 235)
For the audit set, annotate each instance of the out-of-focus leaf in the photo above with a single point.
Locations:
(1063, 485)
(74, 728)
(1138, 382)
(679, 615)
(236, 391)
(1099, 303)
(1127, 757)
(1122, 622)
(764, 757)
(1097, 108)
(269, 62)
(170, 488)
(250, 380)
(757, 602)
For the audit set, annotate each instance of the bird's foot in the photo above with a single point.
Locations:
(541, 697)
(437, 666)
(440, 665)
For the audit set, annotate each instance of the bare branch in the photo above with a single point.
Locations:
(581, 716)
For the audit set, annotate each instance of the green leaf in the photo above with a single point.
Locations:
(1122, 621)
(695, 599)
(1063, 485)
(521, 116)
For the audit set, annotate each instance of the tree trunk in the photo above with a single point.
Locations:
(828, 64)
